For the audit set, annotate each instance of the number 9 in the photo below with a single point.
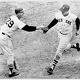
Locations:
(10, 24)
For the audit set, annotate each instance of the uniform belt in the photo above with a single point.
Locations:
(6, 34)
(63, 33)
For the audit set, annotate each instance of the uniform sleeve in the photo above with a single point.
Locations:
(74, 16)
(53, 23)
(56, 15)
(29, 28)
(21, 24)
(77, 22)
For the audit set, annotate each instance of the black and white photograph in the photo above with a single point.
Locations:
(39, 39)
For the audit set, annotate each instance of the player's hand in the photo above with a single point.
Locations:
(40, 27)
(44, 29)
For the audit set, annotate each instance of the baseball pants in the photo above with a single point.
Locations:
(64, 43)
(7, 48)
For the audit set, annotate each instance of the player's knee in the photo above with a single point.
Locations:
(68, 46)
(57, 57)
(10, 60)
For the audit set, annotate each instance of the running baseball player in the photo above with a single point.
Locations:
(13, 24)
(64, 21)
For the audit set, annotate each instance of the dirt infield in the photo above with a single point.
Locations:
(35, 50)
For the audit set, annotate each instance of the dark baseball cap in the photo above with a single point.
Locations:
(18, 10)
(65, 7)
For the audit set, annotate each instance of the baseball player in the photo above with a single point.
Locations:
(13, 24)
(64, 21)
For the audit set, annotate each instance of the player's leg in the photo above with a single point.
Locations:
(52, 66)
(12, 66)
(62, 45)
(76, 46)
(10, 46)
(58, 55)
(68, 46)
(13, 70)
(11, 49)
(55, 60)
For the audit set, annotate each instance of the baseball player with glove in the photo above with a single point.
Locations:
(13, 24)
(64, 21)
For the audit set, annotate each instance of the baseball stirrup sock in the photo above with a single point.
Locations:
(54, 64)
(15, 66)
(10, 67)
(55, 61)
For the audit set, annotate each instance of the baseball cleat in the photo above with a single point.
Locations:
(13, 73)
(50, 70)
(77, 47)
(52, 67)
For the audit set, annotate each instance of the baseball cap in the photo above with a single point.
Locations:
(18, 10)
(65, 7)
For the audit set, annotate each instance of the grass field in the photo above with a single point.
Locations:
(35, 50)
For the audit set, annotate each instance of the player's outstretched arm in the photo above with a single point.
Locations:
(77, 21)
(53, 23)
(44, 29)
(29, 28)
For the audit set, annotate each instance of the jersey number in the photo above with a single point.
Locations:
(10, 22)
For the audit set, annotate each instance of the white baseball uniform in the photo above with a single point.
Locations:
(64, 29)
(8, 29)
